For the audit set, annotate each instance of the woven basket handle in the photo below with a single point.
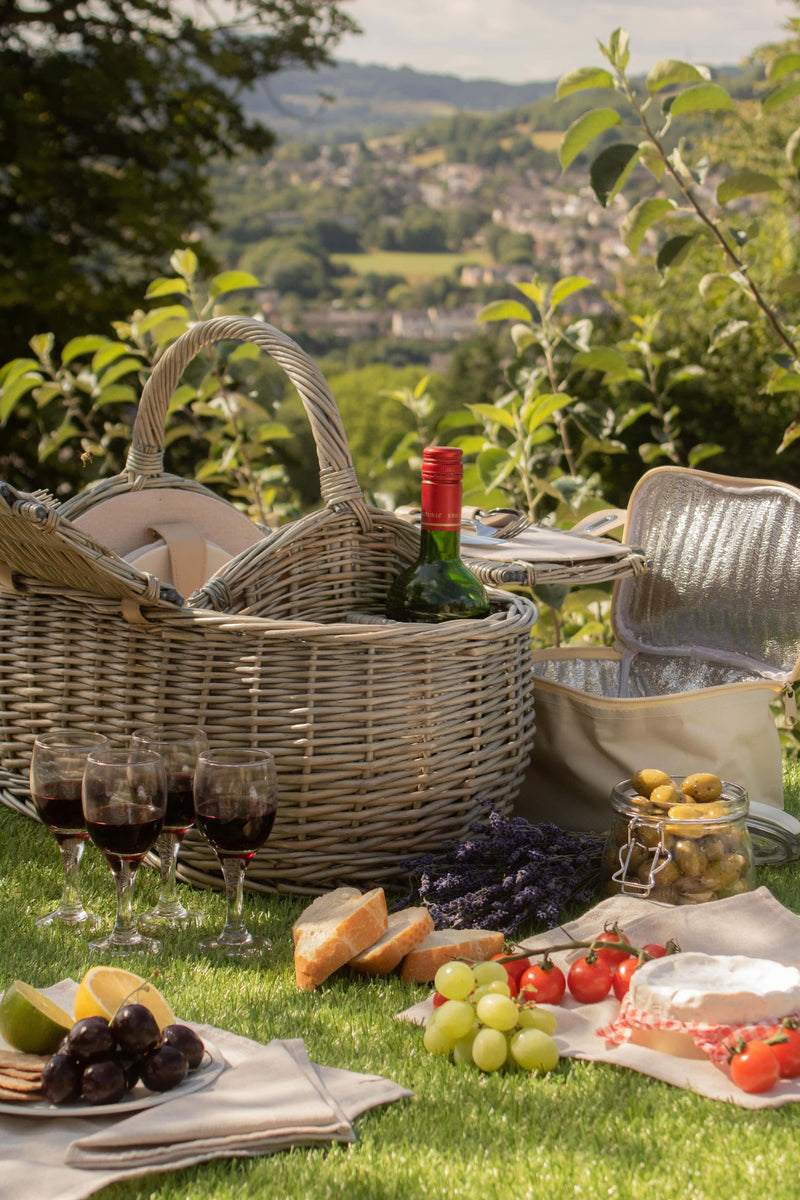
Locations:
(338, 481)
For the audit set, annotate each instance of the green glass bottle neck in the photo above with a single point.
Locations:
(439, 544)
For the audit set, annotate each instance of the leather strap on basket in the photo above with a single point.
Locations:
(338, 482)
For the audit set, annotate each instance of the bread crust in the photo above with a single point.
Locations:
(443, 946)
(405, 930)
(333, 929)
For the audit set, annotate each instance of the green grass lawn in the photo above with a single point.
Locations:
(413, 267)
(588, 1130)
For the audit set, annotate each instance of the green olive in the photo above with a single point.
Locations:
(665, 795)
(702, 787)
(689, 858)
(648, 778)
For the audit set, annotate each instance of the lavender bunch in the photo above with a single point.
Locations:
(509, 872)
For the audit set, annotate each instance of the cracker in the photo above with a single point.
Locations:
(10, 1084)
(17, 1058)
(20, 1073)
(20, 1097)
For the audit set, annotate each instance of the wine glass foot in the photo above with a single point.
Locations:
(80, 919)
(157, 920)
(132, 945)
(251, 947)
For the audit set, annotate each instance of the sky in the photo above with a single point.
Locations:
(520, 41)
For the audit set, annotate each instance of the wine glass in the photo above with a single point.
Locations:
(179, 746)
(235, 800)
(124, 802)
(57, 764)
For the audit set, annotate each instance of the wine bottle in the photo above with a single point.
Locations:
(439, 587)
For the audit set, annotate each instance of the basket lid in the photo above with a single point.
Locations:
(725, 572)
(38, 546)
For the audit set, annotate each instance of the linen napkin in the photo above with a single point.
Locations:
(753, 924)
(267, 1099)
(540, 543)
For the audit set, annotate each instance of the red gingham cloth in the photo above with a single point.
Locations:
(713, 1040)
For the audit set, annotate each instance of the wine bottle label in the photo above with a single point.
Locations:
(441, 505)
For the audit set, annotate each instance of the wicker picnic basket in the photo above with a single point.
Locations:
(387, 736)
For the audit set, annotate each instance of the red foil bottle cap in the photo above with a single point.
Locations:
(442, 472)
(442, 463)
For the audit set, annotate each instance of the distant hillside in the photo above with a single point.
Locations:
(350, 98)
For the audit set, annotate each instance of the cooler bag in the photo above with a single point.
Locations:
(705, 642)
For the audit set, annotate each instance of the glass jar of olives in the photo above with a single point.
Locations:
(668, 846)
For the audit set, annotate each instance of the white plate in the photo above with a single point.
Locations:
(138, 1098)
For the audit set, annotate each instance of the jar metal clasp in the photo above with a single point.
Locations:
(630, 885)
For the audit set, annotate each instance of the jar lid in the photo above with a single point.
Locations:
(775, 835)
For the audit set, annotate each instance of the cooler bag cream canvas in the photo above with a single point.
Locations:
(705, 642)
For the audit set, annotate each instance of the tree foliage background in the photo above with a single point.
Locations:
(111, 111)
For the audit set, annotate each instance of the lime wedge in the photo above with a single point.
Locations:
(30, 1021)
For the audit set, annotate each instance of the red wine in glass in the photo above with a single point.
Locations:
(235, 799)
(131, 840)
(58, 803)
(180, 803)
(236, 836)
(124, 804)
(179, 746)
(56, 772)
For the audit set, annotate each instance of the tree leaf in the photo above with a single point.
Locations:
(670, 71)
(503, 310)
(619, 48)
(114, 394)
(42, 344)
(675, 251)
(650, 158)
(491, 412)
(793, 149)
(493, 465)
(184, 263)
(704, 97)
(471, 443)
(567, 287)
(232, 281)
(271, 431)
(534, 291)
(543, 409)
(108, 354)
(455, 420)
(82, 345)
(702, 451)
(124, 366)
(166, 287)
(582, 131)
(611, 168)
(16, 367)
(727, 331)
(13, 392)
(782, 65)
(745, 183)
(640, 218)
(780, 96)
(602, 358)
(168, 330)
(581, 79)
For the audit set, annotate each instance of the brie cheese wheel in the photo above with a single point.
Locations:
(715, 989)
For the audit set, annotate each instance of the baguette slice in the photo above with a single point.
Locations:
(333, 929)
(405, 930)
(443, 945)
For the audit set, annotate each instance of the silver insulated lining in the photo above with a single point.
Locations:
(649, 675)
(720, 604)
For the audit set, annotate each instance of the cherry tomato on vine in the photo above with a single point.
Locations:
(655, 949)
(516, 968)
(622, 977)
(756, 1068)
(589, 979)
(438, 999)
(545, 984)
(611, 957)
(787, 1052)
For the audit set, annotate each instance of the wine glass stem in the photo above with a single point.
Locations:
(233, 872)
(167, 847)
(71, 854)
(124, 875)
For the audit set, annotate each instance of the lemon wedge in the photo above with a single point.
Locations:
(105, 989)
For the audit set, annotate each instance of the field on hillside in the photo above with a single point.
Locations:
(413, 267)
